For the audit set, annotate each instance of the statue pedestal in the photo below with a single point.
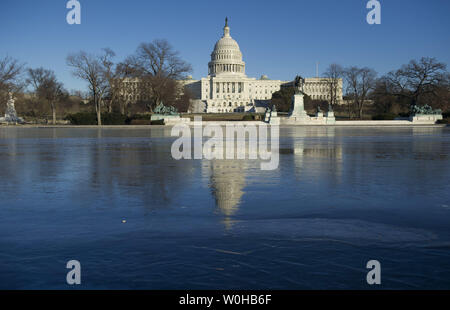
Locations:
(271, 117)
(425, 118)
(298, 109)
(170, 120)
(157, 117)
(330, 119)
(274, 119)
(298, 115)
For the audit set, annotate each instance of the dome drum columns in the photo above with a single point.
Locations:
(226, 57)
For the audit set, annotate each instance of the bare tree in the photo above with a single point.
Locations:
(334, 74)
(351, 78)
(418, 78)
(360, 81)
(90, 68)
(157, 64)
(10, 72)
(125, 70)
(46, 86)
(384, 100)
(35, 77)
(111, 73)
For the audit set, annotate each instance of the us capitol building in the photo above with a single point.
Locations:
(228, 89)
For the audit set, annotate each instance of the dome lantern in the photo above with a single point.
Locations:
(226, 58)
(226, 29)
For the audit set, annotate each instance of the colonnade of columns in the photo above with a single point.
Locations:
(226, 68)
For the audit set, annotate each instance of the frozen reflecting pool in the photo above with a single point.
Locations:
(115, 200)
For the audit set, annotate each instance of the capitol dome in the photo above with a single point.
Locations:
(226, 58)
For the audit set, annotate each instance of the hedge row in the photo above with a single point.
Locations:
(384, 117)
(90, 118)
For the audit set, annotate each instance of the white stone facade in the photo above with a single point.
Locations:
(131, 90)
(227, 88)
(319, 89)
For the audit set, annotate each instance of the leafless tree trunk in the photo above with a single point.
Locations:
(351, 76)
(10, 72)
(349, 109)
(111, 74)
(90, 68)
(333, 75)
(367, 84)
(360, 81)
(53, 112)
(46, 87)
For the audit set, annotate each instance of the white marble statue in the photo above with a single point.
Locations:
(11, 114)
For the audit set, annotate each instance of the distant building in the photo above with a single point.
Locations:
(319, 89)
(132, 90)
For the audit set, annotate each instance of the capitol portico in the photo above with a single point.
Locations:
(228, 89)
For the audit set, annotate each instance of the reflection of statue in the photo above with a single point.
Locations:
(299, 84)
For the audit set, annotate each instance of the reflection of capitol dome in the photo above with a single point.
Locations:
(227, 182)
(226, 59)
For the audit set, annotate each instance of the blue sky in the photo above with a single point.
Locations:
(277, 38)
